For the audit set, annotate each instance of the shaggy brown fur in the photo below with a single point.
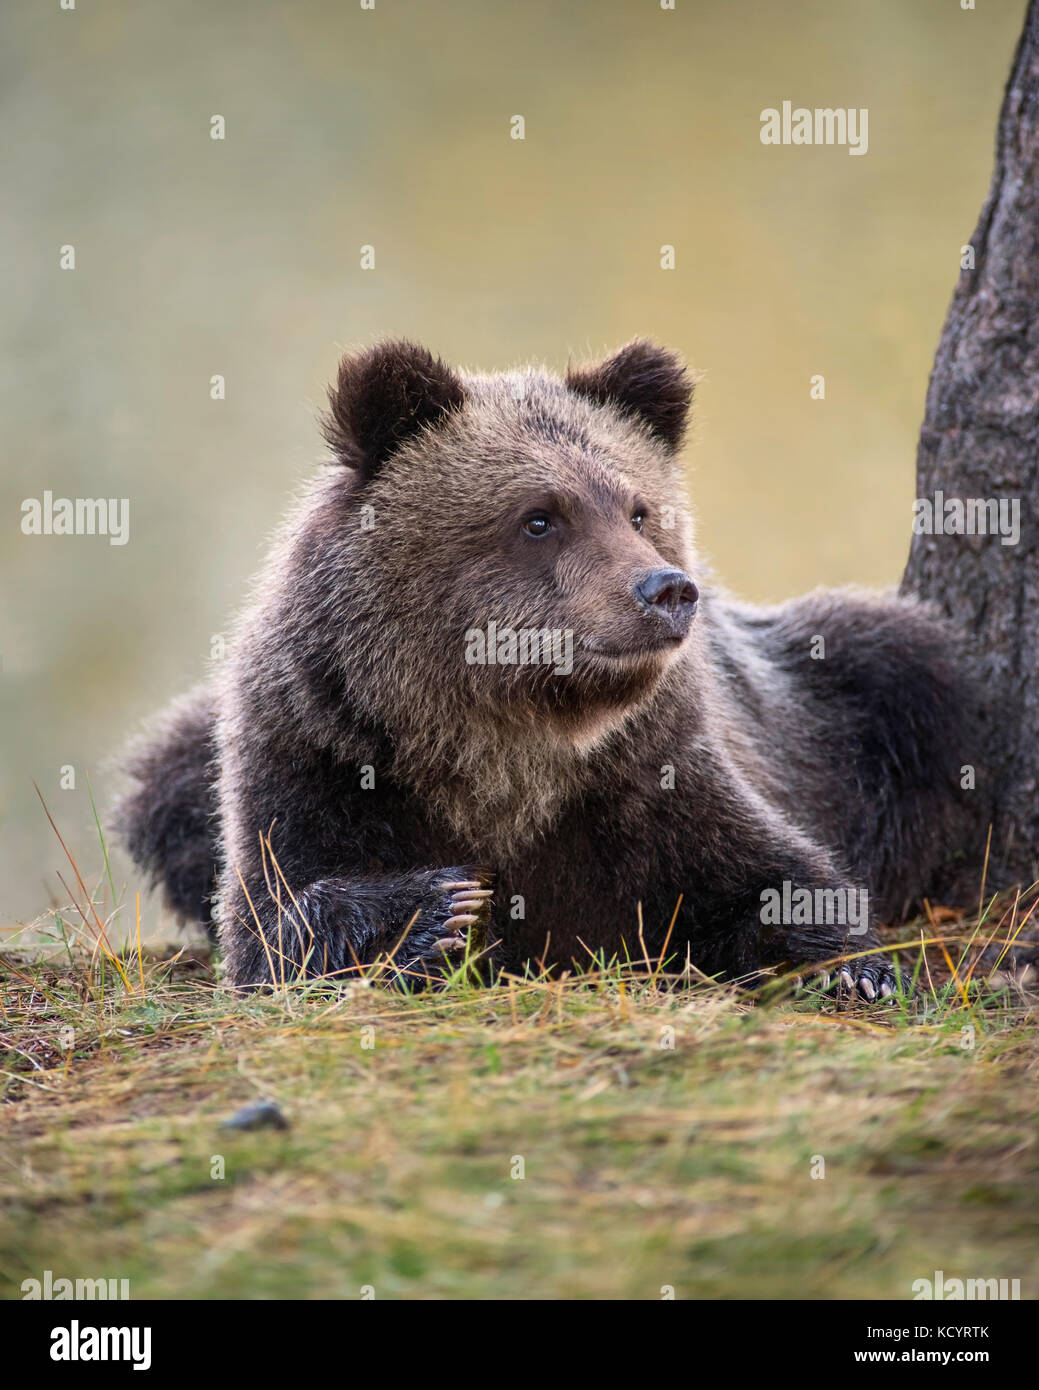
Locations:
(707, 754)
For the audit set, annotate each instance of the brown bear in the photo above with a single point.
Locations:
(482, 682)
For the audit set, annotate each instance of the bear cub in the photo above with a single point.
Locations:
(483, 691)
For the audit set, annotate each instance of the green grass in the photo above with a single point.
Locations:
(645, 1165)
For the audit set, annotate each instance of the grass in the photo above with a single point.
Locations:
(615, 1133)
(666, 1133)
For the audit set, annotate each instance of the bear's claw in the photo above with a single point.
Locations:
(867, 980)
(871, 979)
(454, 920)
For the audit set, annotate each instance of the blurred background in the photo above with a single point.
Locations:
(390, 128)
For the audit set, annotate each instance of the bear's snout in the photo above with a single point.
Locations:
(671, 597)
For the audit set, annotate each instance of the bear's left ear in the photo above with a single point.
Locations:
(381, 397)
(644, 380)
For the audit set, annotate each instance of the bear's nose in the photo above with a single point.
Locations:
(670, 595)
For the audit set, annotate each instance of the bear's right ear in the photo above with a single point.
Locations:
(381, 397)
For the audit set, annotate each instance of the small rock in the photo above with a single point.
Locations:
(263, 1114)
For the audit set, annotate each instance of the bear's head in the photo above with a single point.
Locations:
(508, 549)
(519, 538)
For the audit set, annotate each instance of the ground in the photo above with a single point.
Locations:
(616, 1134)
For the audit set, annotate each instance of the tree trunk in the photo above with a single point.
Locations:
(980, 440)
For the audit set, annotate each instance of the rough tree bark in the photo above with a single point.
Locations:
(980, 439)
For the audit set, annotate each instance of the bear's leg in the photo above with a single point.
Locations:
(751, 910)
(167, 817)
(419, 922)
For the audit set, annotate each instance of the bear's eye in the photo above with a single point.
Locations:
(537, 525)
(637, 520)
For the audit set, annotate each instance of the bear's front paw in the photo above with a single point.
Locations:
(452, 922)
(872, 978)
(867, 979)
